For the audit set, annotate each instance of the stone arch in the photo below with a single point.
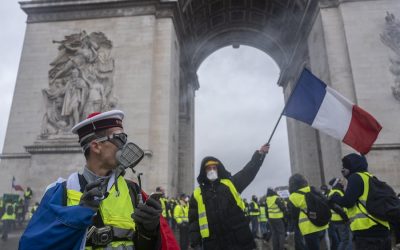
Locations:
(279, 28)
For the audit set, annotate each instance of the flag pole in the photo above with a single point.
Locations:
(283, 110)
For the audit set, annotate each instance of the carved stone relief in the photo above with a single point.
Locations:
(80, 82)
(391, 38)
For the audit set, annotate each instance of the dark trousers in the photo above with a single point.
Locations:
(344, 234)
(7, 224)
(333, 236)
(278, 233)
(299, 243)
(313, 240)
(369, 243)
(184, 236)
(254, 225)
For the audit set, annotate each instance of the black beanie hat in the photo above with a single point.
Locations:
(355, 163)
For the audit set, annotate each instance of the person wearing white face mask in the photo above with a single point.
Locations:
(216, 211)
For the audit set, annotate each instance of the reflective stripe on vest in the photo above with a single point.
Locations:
(262, 217)
(115, 210)
(299, 201)
(255, 207)
(358, 213)
(274, 212)
(201, 208)
(335, 216)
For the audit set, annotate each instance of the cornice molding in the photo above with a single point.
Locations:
(386, 146)
(7, 156)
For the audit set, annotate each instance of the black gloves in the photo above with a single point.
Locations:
(147, 216)
(92, 195)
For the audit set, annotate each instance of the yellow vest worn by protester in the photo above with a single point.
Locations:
(274, 212)
(359, 217)
(164, 206)
(181, 213)
(299, 201)
(263, 216)
(335, 216)
(255, 206)
(115, 210)
(7, 216)
(201, 208)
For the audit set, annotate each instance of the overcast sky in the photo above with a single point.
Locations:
(237, 104)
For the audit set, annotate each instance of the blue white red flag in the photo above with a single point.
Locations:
(15, 186)
(323, 108)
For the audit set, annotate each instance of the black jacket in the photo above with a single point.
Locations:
(228, 226)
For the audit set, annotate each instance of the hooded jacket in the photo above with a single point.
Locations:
(228, 226)
(355, 187)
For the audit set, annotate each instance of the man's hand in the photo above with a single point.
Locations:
(264, 149)
(147, 215)
(92, 195)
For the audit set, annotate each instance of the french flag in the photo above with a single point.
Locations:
(316, 104)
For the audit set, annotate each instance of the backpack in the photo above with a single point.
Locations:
(10, 209)
(382, 201)
(318, 210)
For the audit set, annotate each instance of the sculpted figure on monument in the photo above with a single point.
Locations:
(391, 38)
(80, 81)
(74, 99)
(53, 121)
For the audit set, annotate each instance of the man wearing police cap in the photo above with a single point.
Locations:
(98, 208)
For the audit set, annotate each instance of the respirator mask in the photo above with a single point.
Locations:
(128, 155)
(212, 175)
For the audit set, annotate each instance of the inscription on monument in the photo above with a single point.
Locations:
(391, 38)
(80, 82)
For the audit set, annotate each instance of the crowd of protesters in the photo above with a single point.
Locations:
(15, 210)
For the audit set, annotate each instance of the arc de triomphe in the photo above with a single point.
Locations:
(141, 56)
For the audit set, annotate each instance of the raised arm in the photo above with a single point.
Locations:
(245, 176)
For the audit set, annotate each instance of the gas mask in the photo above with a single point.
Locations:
(212, 175)
(128, 154)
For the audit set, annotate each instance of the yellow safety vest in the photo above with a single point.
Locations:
(8, 216)
(305, 225)
(163, 206)
(262, 217)
(27, 194)
(274, 212)
(201, 207)
(335, 216)
(358, 214)
(115, 211)
(181, 213)
(255, 206)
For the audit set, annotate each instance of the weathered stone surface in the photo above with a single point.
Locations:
(157, 48)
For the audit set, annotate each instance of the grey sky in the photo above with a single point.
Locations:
(237, 104)
(12, 26)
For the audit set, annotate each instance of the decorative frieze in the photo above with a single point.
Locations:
(80, 82)
(391, 38)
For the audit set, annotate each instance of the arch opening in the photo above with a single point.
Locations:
(236, 108)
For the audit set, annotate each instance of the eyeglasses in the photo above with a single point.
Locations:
(118, 140)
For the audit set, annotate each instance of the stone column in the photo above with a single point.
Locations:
(189, 84)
